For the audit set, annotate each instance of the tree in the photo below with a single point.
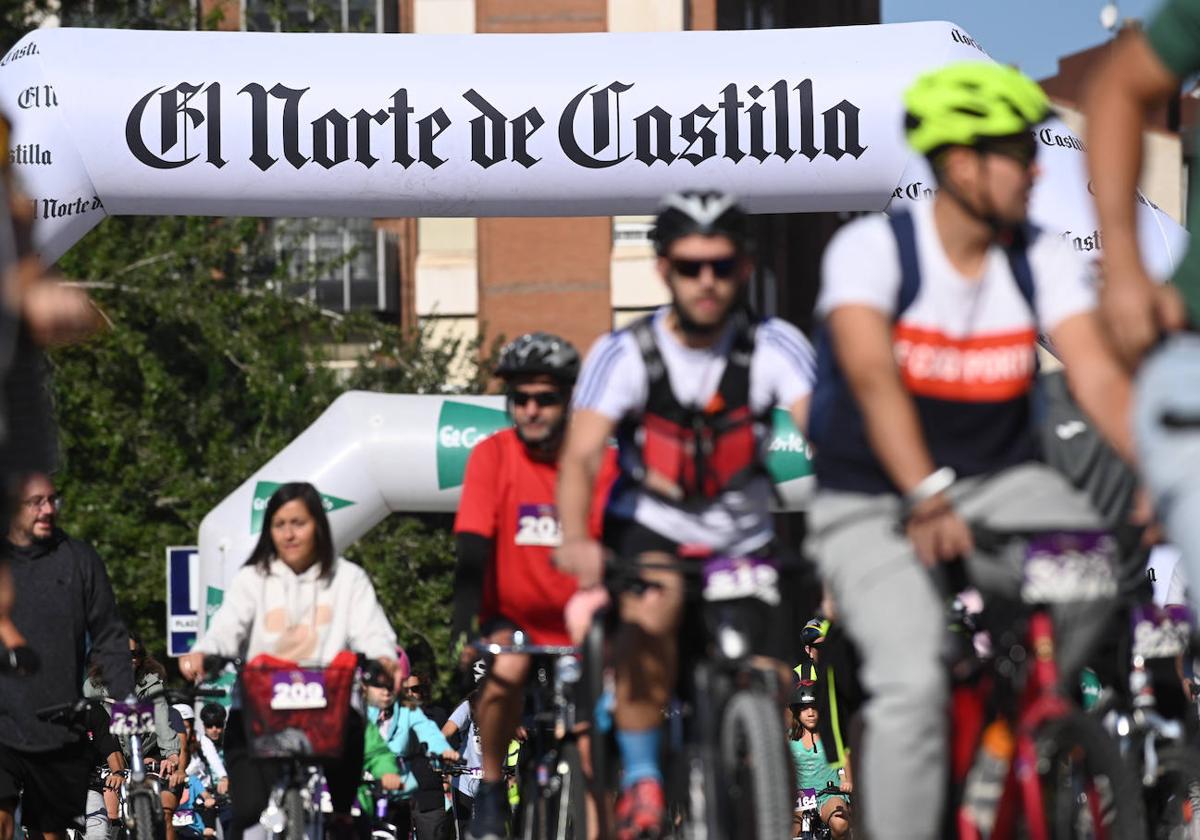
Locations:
(205, 371)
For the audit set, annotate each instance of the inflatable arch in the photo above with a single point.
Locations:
(219, 123)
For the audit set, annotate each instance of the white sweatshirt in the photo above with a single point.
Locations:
(300, 617)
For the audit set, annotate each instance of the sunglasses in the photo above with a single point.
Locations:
(1022, 149)
(137, 654)
(544, 399)
(414, 689)
(722, 268)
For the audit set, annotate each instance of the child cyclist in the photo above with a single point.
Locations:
(812, 769)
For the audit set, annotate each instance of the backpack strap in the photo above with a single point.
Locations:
(734, 387)
(1017, 252)
(905, 232)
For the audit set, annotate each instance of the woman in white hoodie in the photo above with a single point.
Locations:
(294, 599)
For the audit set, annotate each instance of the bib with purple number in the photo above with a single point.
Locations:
(1160, 632)
(733, 578)
(131, 719)
(1069, 567)
(538, 525)
(296, 690)
(806, 799)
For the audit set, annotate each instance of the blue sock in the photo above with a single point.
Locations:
(639, 755)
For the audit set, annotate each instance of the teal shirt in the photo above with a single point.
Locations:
(1174, 36)
(812, 769)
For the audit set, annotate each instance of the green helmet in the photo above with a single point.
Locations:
(965, 103)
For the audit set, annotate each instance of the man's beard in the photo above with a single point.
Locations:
(694, 328)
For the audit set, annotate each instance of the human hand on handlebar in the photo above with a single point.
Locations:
(450, 754)
(938, 534)
(1138, 310)
(191, 666)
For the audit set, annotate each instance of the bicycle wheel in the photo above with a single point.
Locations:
(293, 811)
(756, 768)
(529, 821)
(566, 810)
(1087, 790)
(143, 817)
(1172, 800)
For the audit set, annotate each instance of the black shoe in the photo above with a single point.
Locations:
(490, 813)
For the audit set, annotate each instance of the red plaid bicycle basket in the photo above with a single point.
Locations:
(294, 712)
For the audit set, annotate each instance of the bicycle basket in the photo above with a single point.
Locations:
(295, 712)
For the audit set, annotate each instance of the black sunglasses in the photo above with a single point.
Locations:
(544, 399)
(1022, 148)
(722, 268)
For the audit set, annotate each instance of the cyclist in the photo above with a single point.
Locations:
(921, 412)
(100, 821)
(506, 528)
(813, 770)
(410, 735)
(162, 748)
(297, 600)
(1145, 70)
(705, 363)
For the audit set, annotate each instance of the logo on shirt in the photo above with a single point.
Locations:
(538, 525)
(983, 368)
(789, 455)
(262, 494)
(460, 427)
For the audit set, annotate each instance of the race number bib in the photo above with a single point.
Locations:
(538, 525)
(1160, 632)
(806, 799)
(1069, 567)
(296, 690)
(132, 719)
(733, 578)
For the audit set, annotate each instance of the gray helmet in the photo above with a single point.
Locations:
(704, 213)
(540, 352)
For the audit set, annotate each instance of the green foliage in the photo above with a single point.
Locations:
(205, 372)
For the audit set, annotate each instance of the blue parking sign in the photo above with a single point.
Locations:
(183, 598)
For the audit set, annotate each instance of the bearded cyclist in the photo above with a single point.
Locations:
(701, 367)
(921, 412)
(506, 528)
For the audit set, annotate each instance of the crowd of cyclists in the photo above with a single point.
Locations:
(925, 406)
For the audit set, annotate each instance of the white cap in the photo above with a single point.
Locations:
(186, 712)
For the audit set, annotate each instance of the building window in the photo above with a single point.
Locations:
(632, 230)
(313, 15)
(339, 264)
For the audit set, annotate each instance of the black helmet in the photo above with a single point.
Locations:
(804, 695)
(212, 714)
(703, 213)
(539, 352)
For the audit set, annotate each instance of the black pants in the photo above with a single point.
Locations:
(431, 824)
(252, 779)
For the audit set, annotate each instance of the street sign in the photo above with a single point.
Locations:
(183, 598)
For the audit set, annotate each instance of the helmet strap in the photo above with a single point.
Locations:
(548, 447)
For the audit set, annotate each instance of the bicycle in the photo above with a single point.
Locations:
(1148, 722)
(141, 791)
(730, 771)
(1021, 751)
(812, 827)
(552, 783)
(285, 708)
(379, 818)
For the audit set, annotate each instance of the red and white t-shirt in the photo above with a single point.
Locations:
(508, 498)
(965, 347)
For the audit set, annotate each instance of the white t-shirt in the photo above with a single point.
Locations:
(862, 266)
(471, 753)
(965, 347)
(614, 383)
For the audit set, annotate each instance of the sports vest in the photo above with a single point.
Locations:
(689, 455)
(972, 437)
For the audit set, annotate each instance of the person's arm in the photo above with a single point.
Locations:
(1130, 82)
(475, 527)
(862, 341)
(583, 451)
(1096, 379)
(472, 552)
(230, 626)
(110, 639)
(426, 732)
(212, 757)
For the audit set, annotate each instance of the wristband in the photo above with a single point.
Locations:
(938, 481)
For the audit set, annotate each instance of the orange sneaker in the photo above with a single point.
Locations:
(640, 811)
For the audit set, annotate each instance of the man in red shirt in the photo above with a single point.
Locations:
(506, 529)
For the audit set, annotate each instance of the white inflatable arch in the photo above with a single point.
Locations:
(219, 123)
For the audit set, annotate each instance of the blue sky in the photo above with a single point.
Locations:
(1029, 33)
